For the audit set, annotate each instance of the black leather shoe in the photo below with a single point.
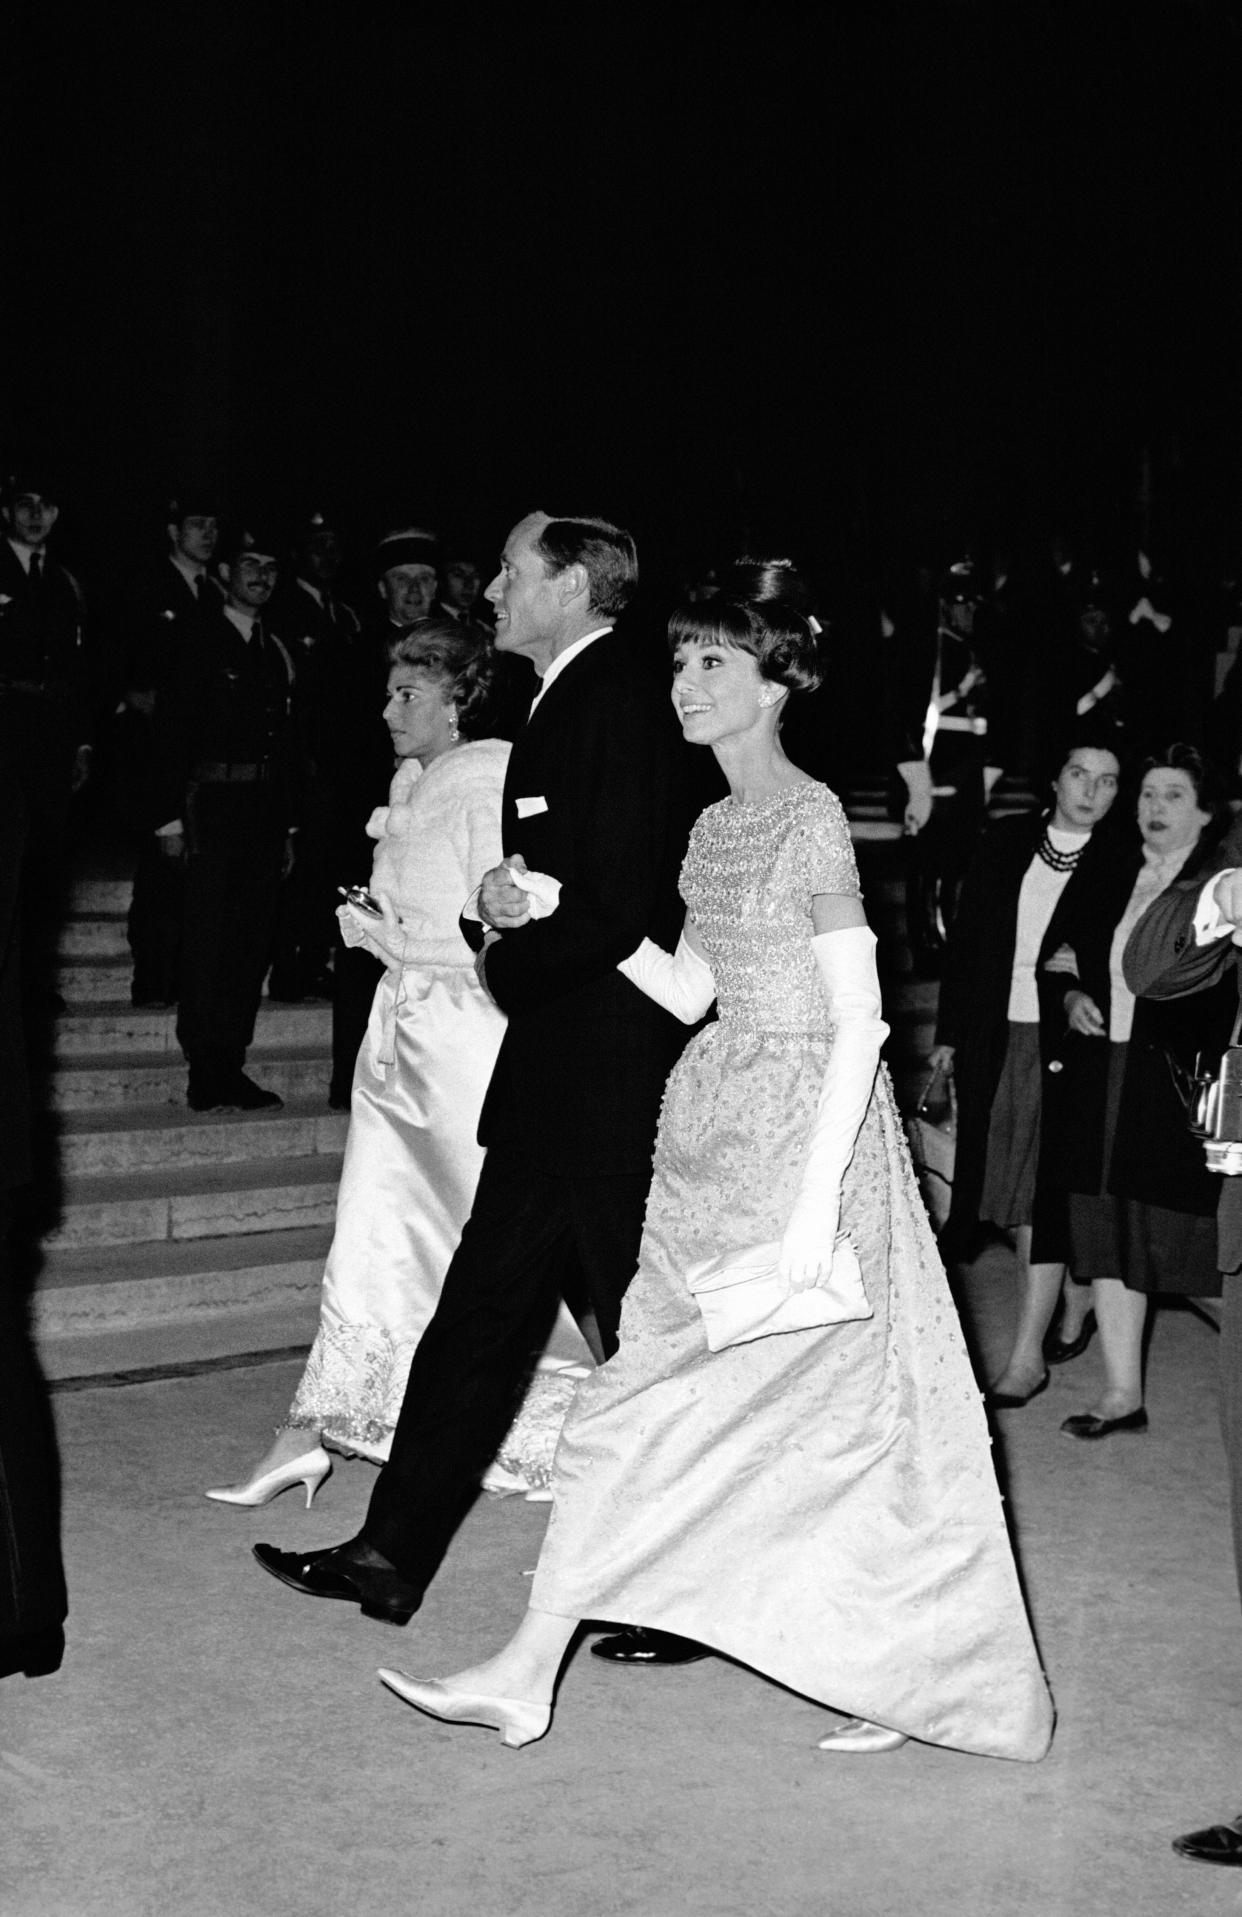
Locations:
(249, 1097)
(353, 1571)
(1218, 1844)
(1060, 1353)
(1086, 1424)
(635, 1644)
(1012, 1400)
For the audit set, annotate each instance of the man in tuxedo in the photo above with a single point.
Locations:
(593, 797)
(227, 784)
(1185, 942)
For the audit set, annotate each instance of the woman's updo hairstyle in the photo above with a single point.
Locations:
(763, 607)
(463, 663)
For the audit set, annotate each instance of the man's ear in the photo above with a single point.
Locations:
(571, 583)
(53, 514)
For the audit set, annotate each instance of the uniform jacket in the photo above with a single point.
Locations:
(228, 701)
(43, 640)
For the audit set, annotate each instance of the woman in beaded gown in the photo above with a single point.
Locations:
(412, 1157)
(820, 1503)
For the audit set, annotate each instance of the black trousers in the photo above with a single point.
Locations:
(495, 1312)
(234, 848)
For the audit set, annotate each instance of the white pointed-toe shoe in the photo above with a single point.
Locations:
(518, 1722)
(310, 1469)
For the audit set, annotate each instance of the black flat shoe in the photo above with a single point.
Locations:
(1085, 1424)
(1218, 1844)
(1014, 1400)
(635, 1644)
(1060, 1353)
(353, 1572)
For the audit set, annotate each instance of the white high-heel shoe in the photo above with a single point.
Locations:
(310, 1469)
(518, 1722)
(860, 1737)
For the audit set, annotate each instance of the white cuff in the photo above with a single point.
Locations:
(1208, 923)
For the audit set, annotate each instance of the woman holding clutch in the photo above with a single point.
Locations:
(818, 1503)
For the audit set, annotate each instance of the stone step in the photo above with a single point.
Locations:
(87, 1291)
(93, 1083)
(96, 896)
(114, 1025)
(134, 1139)
(211, 1201)
(88, 981)
(92, 936)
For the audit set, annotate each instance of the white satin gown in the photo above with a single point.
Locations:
(412, 1158)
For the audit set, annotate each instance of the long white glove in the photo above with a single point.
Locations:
(680, 981)
(384, 937)
(847, 961)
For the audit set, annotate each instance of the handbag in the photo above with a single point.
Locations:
(742, 1295)
(932, 1133)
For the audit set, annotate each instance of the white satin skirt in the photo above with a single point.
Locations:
(412, 1161)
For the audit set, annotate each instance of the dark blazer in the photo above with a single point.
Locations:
(1154, 1158)
(584, 1058)
(973, 1013)
(1163, 963)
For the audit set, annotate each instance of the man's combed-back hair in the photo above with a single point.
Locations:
(606, 552)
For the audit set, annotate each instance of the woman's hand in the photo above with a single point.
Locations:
(384, 937)
(806, 1249)
(940, 1060)
(1083, 1015)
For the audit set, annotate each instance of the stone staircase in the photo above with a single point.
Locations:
(171, 1236)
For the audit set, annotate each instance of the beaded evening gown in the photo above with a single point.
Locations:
(821, 1504)
(412, 1157)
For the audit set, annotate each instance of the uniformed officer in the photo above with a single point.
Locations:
(164, 606)
(227, 757)
(45, 727)
(948, 757)
(324, 635)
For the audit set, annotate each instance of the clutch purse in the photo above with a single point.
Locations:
(742, 1295)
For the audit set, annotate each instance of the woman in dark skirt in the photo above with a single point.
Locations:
(1023, 880)
(1141, 1203)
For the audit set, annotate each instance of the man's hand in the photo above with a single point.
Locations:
(171, 844)
(289, 855)
(1084, 1015)
(1228, 895)
(940, 1059)
(917, 776)
(502, 904)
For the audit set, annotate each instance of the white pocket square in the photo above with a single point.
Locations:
(527, 808)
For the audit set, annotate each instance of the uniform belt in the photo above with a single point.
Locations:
(947, 723)
(225, 772)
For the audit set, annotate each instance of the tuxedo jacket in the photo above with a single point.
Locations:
(1162, 961)
(595, 795)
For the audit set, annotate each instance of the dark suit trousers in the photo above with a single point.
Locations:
(1231, 1401)
(235, 843)
(495, 1312)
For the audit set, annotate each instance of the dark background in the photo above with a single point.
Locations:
(877, 284)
